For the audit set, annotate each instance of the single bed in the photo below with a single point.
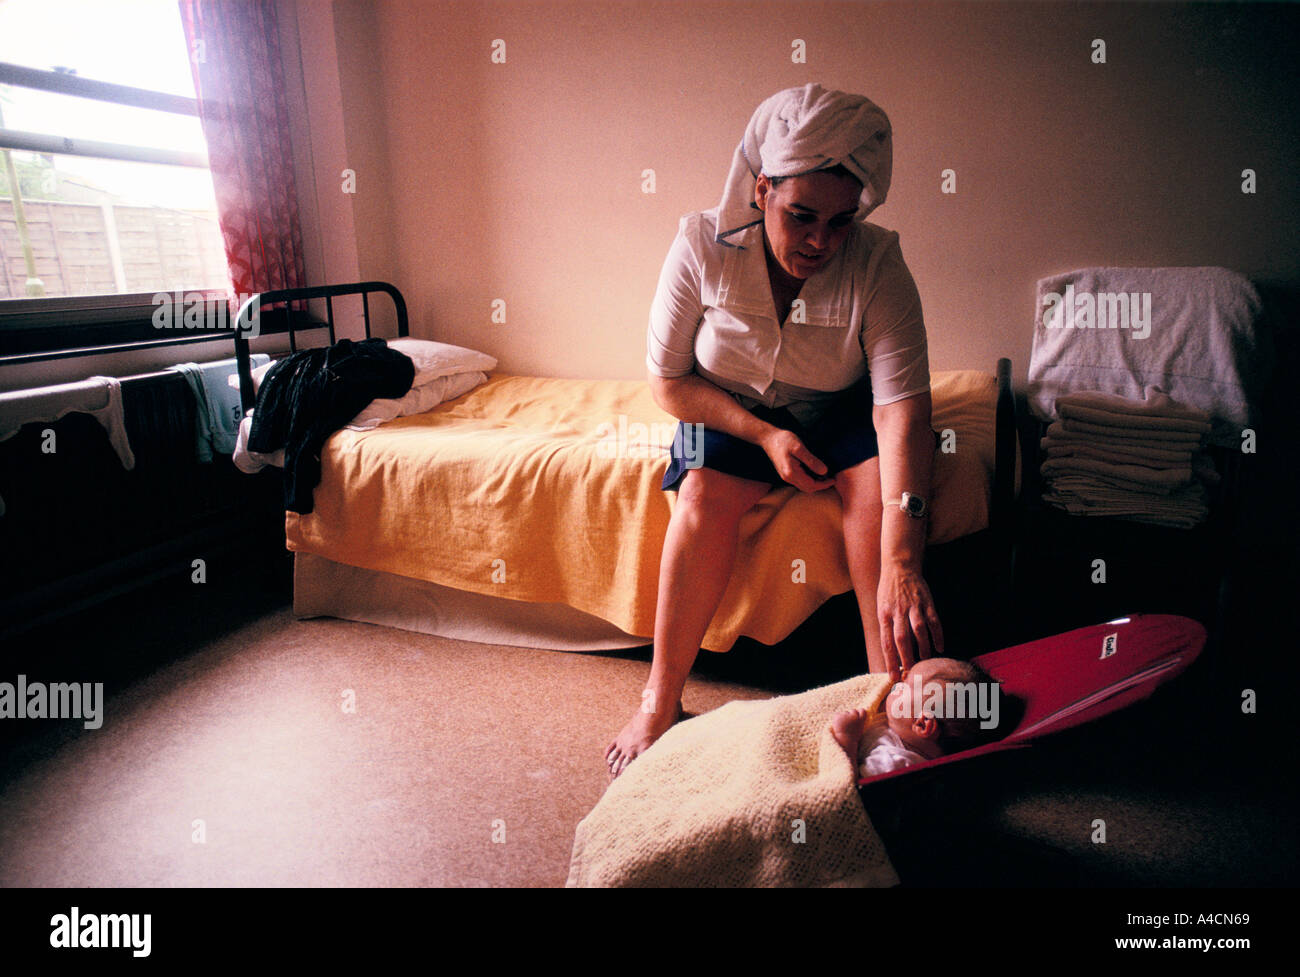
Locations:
(529, 511)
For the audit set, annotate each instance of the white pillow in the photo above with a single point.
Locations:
(257, 375)
(432, 361)
(253, 462)
(425, 397)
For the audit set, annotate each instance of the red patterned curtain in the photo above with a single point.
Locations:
(235, 55)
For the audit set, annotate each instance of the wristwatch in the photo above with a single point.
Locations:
(913, 505)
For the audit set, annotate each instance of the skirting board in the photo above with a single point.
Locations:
(323, 588)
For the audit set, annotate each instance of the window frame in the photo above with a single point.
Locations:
(56, 327)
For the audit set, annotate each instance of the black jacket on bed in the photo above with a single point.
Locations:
(309, 395)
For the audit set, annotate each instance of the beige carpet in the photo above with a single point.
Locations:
(229, 713)
(463, 764)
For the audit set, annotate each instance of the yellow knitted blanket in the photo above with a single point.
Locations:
(751, 794)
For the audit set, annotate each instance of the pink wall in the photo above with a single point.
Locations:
(522, 181)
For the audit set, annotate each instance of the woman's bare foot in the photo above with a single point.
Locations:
(638, 736)
(847, 728)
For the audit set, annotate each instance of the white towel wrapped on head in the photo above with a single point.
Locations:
(801, 130)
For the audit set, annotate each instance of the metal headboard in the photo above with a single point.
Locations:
(244, 324)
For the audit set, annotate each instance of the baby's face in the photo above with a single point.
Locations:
(905, 699)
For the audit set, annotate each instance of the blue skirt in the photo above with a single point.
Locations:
(843, 436)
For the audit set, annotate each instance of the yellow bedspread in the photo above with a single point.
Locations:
(541, 489)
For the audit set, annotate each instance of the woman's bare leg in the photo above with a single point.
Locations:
(859, 489)
(699, 552)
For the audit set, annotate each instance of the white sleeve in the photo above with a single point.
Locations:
(676, 312)
(893, 333)
(887, 755)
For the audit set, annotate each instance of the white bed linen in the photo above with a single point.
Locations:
(323, 588)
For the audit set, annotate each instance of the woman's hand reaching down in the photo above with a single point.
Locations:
(909, 624)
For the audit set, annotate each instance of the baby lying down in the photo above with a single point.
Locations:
(942, 705)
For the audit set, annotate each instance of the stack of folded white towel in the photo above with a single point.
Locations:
(1107, 455)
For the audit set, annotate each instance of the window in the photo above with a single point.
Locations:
(100, 139)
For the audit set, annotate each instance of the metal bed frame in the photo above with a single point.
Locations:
(245, 325)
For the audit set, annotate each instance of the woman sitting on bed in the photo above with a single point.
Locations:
(791, 330)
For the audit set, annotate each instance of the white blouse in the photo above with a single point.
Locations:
(713, 314)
